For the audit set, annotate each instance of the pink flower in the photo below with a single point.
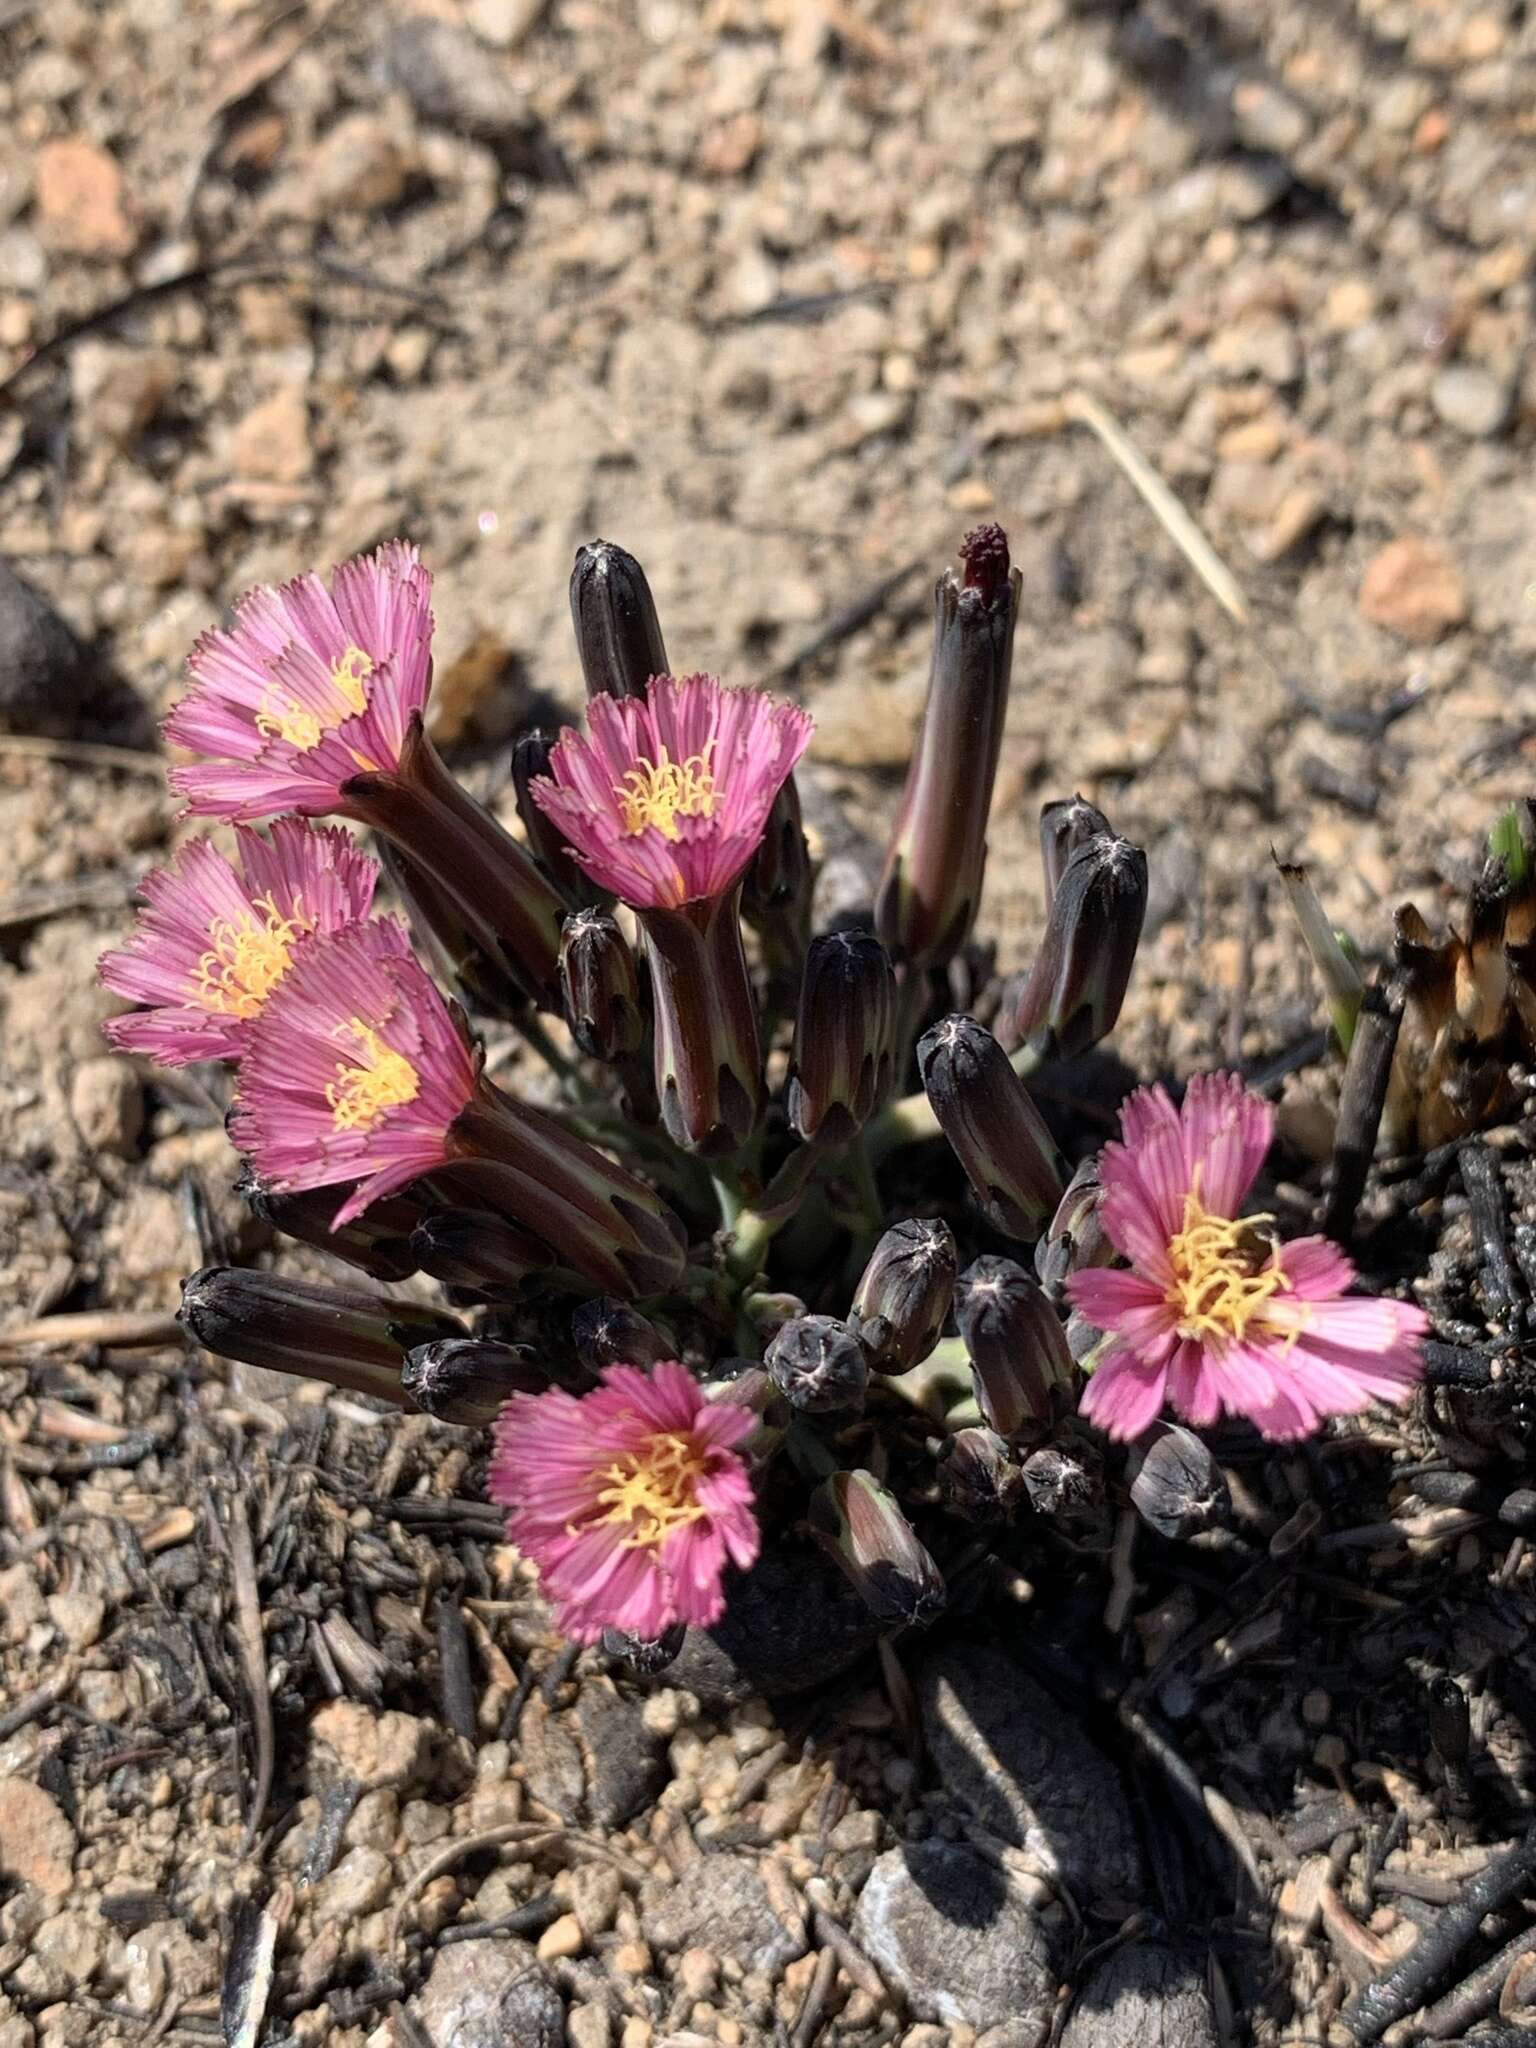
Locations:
(665, 800)
(310, 687)
(354, 1072)
(216, 937)
(630, 1500)
(1213, 1315)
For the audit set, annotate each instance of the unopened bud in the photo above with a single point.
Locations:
(618, 636)
(600, 987)
(861, 1528)
(933, 870)
(1073, 993)
(378, 1242)
(840, 1067)
(1076, 1239)
(817, 1363)
(778, 886)
(1179, 1488)
(1066, 825)
(644, 1655)
(472, 1248)
(607, 1331)
(455, 947)
(904, 1294)
(348, 1336)
(980, 1481)
(1020, 1364)
(469, 1379)
(1060, 1483)
(993, 1127)
(530, 761)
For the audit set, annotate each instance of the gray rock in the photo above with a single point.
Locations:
(1142, 1997)
(950, 1932)
(45, 671)
(452, 83)
(1470, 399)
(1027, 1772)
(487, 1994)
(723, 1903)
(790, 1623)
(626, 1764)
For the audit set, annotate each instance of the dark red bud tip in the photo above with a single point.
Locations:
(985, 555)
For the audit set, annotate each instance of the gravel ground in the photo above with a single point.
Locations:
(783, 295)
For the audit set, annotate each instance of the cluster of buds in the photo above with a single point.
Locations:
(671, 1271)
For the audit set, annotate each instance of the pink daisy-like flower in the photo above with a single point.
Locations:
(310, 687)
(354, 1072)
(216, 937)
(630, 1500)
(1213, 1316)
(665, 800)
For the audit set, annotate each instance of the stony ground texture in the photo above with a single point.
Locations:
(783, 296)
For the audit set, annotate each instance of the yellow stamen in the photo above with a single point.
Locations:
(658, 793)
(374, 1081)
(245, 961)
(282, 717)
(651, 1491)
(1220, 1287)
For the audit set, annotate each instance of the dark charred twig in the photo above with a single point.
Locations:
(844, 624)
(253, 1657)
(527, 1679)
(453, 1657)
(1355, 792)
(337, 1805)
(1484, 1184)
(125, 1330)
(1361, 1099)
(808, 2023)
(1458, 1365)
(530, 1918)
(1478, 1994)
(37, 1702)
(559, 1671)
(1392, 1997)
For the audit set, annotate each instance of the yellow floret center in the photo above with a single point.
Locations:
(247, 959)
(658, 793)
(653, 1490)
(375, 1080)
(283, 717)
(1222, 1282)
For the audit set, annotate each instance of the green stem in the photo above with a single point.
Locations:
(751, 1236)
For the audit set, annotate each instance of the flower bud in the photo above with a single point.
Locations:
(530, 760)
(840, 1066)
(979, 1480)
(861, 1528)
(778, 885)
(1076, 1238)
(1061, 1482)
(600, 987)
(607, 1331)
(454, 946)
(470, 1379)
(378, 1241)
(1065, 825)
(709, 1061)
(618, 636)
(993, 1127)
(1020, 1364)
(1074, 991)
(1179, 1489)
(904, 1293)
(933, 869)
(348, 1336)
(645, 1656)
(817, 1363)
(473, 1248)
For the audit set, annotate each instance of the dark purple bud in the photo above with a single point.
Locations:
(1073, 993)
(840, 1066)
(979, 1479)
(644, 1656)
(861, 1528)
(609, 1332)
(473, 1248)
(1020, 1364)
(779, 879)
(993, 1127)
(1179, 1488)
(470, 1379)
(904, 1293)
(618, 635)
(530, 761)
(709, 1061)
(378, 1242)
(1076, 1238)
(457, 947)
(1066, 825)
(348, 1336)
(817, 1363)
(1060, 1482)
(933, 868)
(600, 987)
